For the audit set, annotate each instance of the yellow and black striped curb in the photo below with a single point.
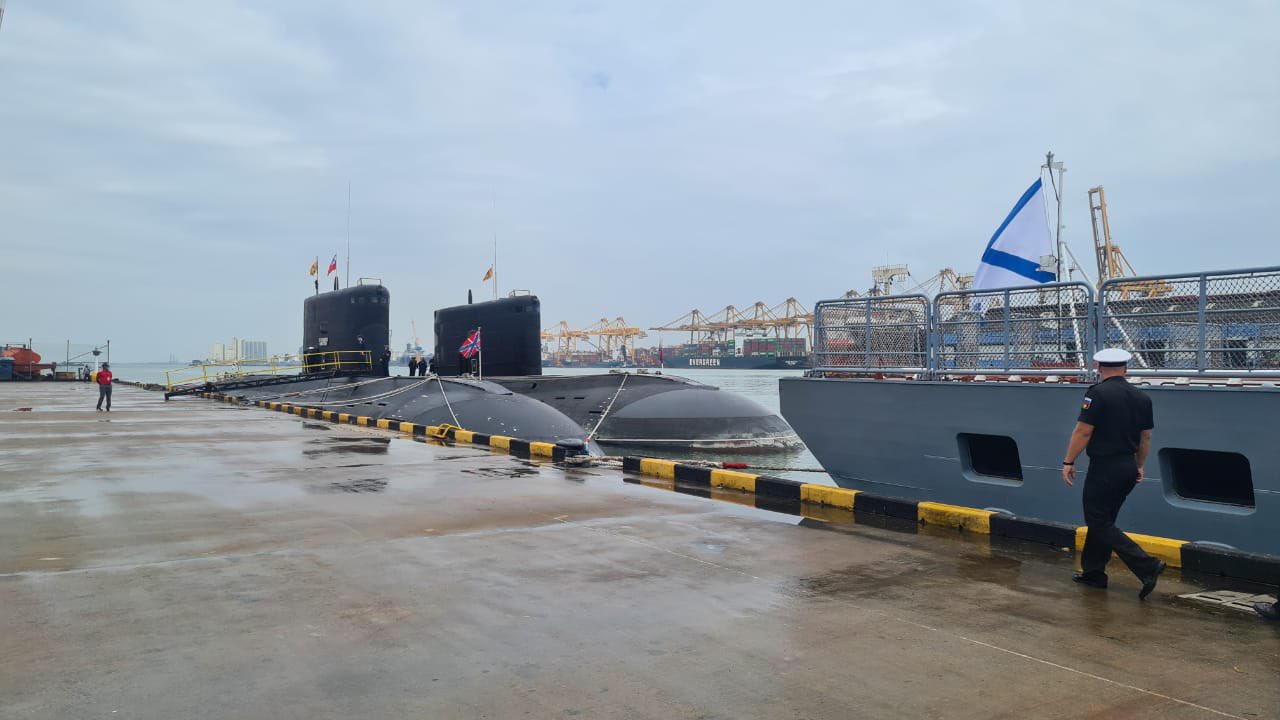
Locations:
(513, 446)
(1196, 557)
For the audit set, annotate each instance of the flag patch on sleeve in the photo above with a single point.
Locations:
(1087, 402)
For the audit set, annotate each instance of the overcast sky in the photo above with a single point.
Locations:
(169, 169)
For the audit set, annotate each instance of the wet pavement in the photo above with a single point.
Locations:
(194, 559)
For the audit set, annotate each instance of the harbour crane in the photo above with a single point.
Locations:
(786, 319)
(945, 280)
(791, 318)
(611, 336)
(565, 338)
(692, 322)
(1112, 262)
(882, 279)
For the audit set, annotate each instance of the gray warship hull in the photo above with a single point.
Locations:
(969, 398)
(914, 439)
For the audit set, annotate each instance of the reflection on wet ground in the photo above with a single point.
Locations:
(367, 485)
(192, 559)
(348, 445)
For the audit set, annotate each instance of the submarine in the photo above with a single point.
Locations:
(346, 332)
(618, 410)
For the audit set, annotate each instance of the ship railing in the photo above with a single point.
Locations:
(873, 335)
(1043, 329)
(214, 372)
(1223, 323)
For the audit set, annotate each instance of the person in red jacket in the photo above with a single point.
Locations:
(104, 386)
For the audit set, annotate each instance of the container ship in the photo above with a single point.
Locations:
(752, 353)
(743, 353)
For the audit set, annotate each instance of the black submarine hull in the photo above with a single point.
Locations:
(626, 410)
(478, 406)
(623, 410)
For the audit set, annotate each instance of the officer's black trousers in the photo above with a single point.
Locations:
(1109, 482)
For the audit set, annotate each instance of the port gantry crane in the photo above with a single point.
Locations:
(1111, 261)
(786, 319)
(884, 277)
(613, 336)
(603, 337)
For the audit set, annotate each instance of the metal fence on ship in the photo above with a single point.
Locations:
(1215, 323)
(1043, 329)
(1224, 323)
(873, 334)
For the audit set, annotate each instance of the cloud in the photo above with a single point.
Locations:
(178, 170)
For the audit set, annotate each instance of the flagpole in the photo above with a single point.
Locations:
(495, 266)
(1050, 165)
(480, 344)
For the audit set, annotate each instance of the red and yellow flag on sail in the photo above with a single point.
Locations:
(315, 266)
(488, 274)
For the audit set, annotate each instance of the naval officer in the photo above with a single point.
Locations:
(1114, 426)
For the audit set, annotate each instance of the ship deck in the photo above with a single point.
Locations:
(197, 559)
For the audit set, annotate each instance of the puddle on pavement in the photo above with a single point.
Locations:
(348, 445)
(365, 485)
(502, 472)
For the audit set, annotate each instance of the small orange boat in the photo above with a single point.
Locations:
(26, 362)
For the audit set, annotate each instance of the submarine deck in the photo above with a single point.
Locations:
(197, 559)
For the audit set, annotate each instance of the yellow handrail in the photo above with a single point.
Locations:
(193, 376)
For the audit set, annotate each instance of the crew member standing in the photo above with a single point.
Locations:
(104, 386)
(384, 361)
(1115, 426)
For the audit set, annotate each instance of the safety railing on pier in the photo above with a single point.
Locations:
(883, 334)
(200, 375)
(1044, 329)
(1212, 324)
(1215, 323)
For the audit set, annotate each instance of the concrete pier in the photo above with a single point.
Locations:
(194, 559)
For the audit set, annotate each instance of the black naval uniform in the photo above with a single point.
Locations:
(1119, 413)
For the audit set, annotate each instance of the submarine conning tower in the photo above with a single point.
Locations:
(336, 320)
(510, 336)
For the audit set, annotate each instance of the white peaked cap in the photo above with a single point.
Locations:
(1112, 355)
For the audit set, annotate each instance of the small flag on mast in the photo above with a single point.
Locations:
(315, 266)
(488, 274)
(472, 345)
(333, 265)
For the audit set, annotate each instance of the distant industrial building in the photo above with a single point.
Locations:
(253, 350)
(238, 350)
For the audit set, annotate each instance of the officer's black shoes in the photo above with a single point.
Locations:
(1093, 581)
(1268, 611)
(1149, 582)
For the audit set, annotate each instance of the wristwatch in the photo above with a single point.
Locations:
(1064, 462)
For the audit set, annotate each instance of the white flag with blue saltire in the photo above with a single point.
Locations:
(1012, 257)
